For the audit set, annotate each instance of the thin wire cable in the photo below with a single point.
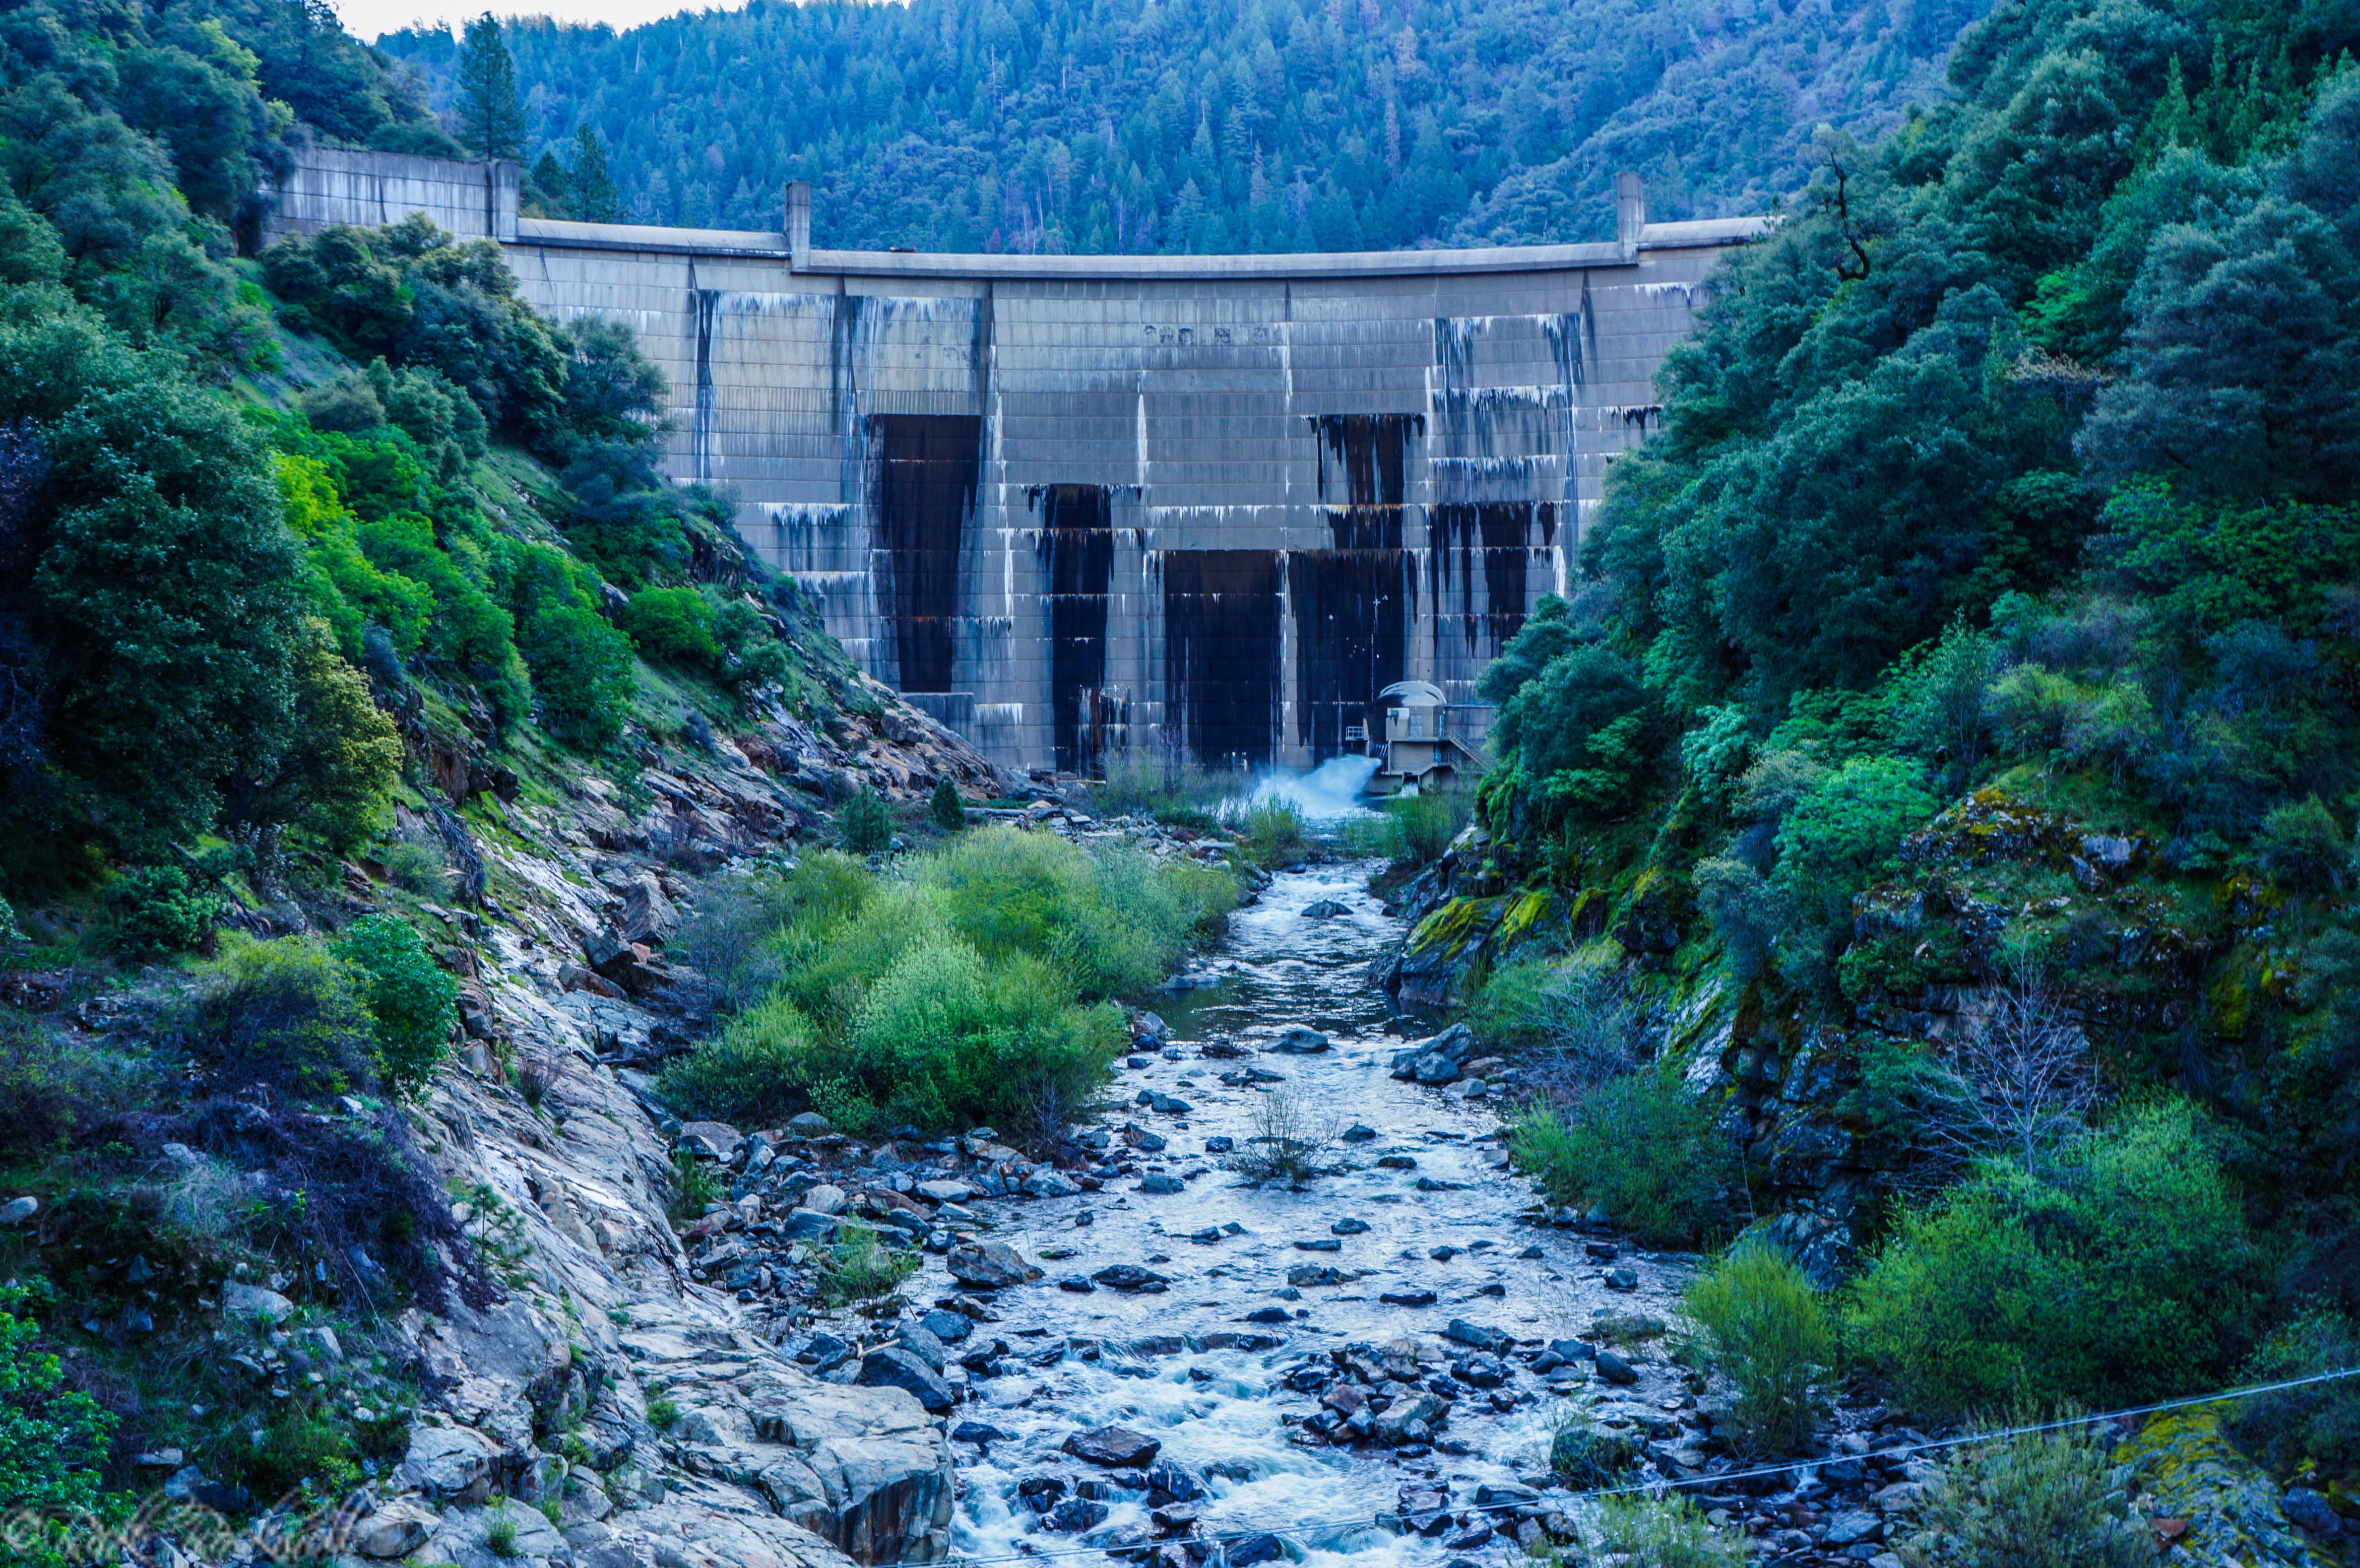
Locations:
(1557, 1500)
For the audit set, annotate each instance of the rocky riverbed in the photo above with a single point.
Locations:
(1142, 1342)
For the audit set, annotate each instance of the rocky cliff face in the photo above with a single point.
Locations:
(629, 1408)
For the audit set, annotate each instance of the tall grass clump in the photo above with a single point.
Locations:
(1655, 1532)
(1639, 1147)
(2042, 1500)
(1761, 1323)
(1175, 792)
(2122, 1271)
(861, 1268)
(1269, 831)
(1577, 1011)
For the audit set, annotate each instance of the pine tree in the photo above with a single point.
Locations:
(491, 120)
(595, 199)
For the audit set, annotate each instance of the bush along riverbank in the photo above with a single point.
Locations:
(1921, 846)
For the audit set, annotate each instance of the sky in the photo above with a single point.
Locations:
(370, 19)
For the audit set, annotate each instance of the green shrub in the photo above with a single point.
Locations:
(414, 1004)
(2317, 1428)
(2122, 1272)
(1108, 917)
(859, 1267)
(1429, 822)
(751, 1072)
(692, 1188)
(1839, 837)
(943, 1039)
(157, 913)
(671, 624)
(1577, 1008)
(52, 1443)
(419, 868)
(1641, 1147)
(663, 1414)
(1761, 1325)
(2045, 1500)
(289, 1013)
(948, 811)
(500, 1534)
(867, 823)
(1655, 1532)
(580, 671)
(831, 962)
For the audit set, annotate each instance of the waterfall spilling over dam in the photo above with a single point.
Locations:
(1074, 503)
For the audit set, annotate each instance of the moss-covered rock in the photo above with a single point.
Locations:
(2186, 1472)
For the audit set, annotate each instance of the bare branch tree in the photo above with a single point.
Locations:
(2023, 1079)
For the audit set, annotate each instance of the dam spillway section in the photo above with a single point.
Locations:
(1071, 504)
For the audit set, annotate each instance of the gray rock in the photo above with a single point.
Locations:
(1130, 1276)
(1450, 1049)
(394, 1529)
(1492, 1341)
(1621, 1280)
(988, 1266)
(947, 1326)
(1308, 1274)
(16, 1211)
(1298, 1040)
(1417, 1298)
(811, 1124)
(1853, 1525)
(1160, 1184)
(1320, 1243)
(252, 1304)
(1220, 1145)
(1357, 1133)
(896, 1368)
(1255, 1549)
(719, 1137)
(447, 1461)
(920, 1341)
(807, 1224)
(1116, 1447)
(1324, 910)
(2306, 1509)
(1048, 1183)
(1616, 1370)
(1348, 1226)
(648, 915)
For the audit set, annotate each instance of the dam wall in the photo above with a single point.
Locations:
(1204, 505)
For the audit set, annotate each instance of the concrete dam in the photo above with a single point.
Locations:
(1210, 506)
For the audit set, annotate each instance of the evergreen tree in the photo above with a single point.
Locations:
(595, 199)
(491, 120)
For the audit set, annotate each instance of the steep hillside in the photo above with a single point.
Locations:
(1269, 126)
(1925, 834)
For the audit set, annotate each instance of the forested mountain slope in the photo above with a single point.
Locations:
(1140, 126)
(1951, 741)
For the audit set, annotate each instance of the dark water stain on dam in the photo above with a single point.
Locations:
(1077, 550)
(924, 485)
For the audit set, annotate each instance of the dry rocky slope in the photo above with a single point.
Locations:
(766, 1463)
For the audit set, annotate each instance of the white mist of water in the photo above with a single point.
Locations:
(1330, 792)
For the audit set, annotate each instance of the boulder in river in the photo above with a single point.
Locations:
(1160, 1183)
(988, 1266)
(1116, 1447)
(1299, 1041)
(1304, 1274)
(1495, 1341)
(1417, 1298)
(1324, 910)
(894, 1368)
(1320, 1243)
(1130, 1276)
(1348, 1226)
(1357, 1133)
(1616, 1370)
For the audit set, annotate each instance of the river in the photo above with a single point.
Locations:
(1452, 1223)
